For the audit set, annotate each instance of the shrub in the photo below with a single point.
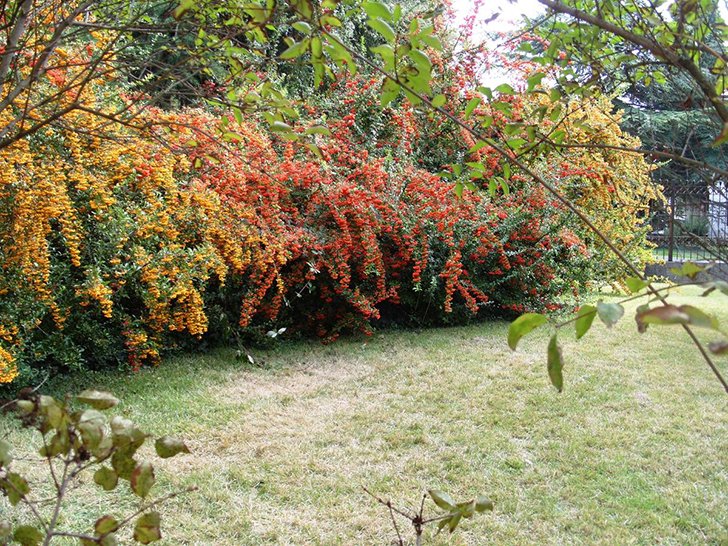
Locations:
(129, 248)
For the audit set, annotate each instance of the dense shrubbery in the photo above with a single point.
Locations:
(130, 248)
(117, 244)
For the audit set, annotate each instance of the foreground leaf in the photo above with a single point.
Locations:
(662, 315)
(684, 314)
(585, 318)
(142, 479)
(105, 525)
(169, 447)
(98, 399)
(635, 284)
(106, 478)
(523, 325)
(16, 487)
(482, 504)
(147, 528)
(26, 535)
(5, 457)
(609, 313)
(555, 363)
(442, 499)
(688, 269)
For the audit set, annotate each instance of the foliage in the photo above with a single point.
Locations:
(455, 512)
(662, 314)
(153, 245)
(76, 443)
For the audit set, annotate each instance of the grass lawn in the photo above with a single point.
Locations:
(634, 451)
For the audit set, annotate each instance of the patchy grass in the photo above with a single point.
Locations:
(634, 451)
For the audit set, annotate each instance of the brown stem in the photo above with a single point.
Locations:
(154, 503)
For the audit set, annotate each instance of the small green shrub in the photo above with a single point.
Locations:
(76, 442)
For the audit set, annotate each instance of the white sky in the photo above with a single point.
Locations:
(510, 13)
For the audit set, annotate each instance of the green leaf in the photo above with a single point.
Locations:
(147, 528)
(534, 80)
(16, 487)
(5, 457)
(505, 89)
(27, 535)
(431, 41)
(318, 130)
(492, 187)
(609, 313)
(183, 7)
(296, 50)
(390, 91)
(98, 399)
(108, 540)
(422, 61)
(169, 447)
(442, 499)
(302, 26)
(316, 151)
(641, 326)
(280, 127)
(383, 28)
(584, 320)
(483, 503)
(105, 525)
(467, 509)
(438, 101)
(106, 478)
(229, 136)
(721, 286)
(459, 189)
(635, 284)
(664, 314)
(474, 102)
(52, 410)
(123, 464)
(479, 145)
(6, 530)
(303, 7)
(453, 522)
(142, 479)
(555, 363)
(376, 9)
(688, 269)
(331, 20)
(387, 53)
(504, 186)
(671, 314)
(26, 405)
(91, 434)
(523, 325)
(700, 318)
